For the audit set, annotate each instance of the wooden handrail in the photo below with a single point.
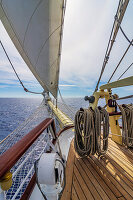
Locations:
(12, 155)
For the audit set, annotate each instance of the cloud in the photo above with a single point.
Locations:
(60, 85)
(14, 56)
(86, 32)
(3, 86)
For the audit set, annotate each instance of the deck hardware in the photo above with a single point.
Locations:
(91, 99)
(50, 175)
(6, 181)
(115, 129)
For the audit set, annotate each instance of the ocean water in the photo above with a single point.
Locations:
(13, 111)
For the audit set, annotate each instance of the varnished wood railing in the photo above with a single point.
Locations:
(12, 155)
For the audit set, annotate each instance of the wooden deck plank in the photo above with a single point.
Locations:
(100, 179)
(123, 149)
(114, 162)
(121, 198)
(86, 185)
(107, 177)
(78, 189)
(111, 178)
(123, 175)
(116, 174)
(91, 181)
(74, 194)
(121, 153)
(104, 191)
(128, 168)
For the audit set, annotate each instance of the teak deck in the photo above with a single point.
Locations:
(107, 177)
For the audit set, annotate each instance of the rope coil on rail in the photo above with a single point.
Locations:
(88, 139)
(127, 124)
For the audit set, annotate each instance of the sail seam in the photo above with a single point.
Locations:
(30, 20)
(44, 85)
(46, 42)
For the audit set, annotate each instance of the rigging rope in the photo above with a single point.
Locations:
(25, 89)
(125, 71)
(122, 30)
(64, 103)
(120, 61)
(109, 47)
(88, 138)
(61, 25)
(127, 124)
(125, 36)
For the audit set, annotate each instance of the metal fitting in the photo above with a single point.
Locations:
(6, 181)
(91, 99)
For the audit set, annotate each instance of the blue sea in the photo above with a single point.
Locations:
(13, 111)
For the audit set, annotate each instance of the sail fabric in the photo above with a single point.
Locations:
(35, 27)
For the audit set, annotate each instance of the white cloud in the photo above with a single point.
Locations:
(86, 32)
(60, 85)
(18, 63)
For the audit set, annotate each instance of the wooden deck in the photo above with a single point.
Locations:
(108, 177)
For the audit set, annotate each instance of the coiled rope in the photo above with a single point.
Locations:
(88, 138)
(127, 124)
(101, 118)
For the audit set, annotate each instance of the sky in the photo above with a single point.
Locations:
(87, 29)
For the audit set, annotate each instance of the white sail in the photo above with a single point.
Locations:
(35, 27)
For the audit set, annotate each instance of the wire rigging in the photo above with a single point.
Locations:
(25, 89)
(108, 50)
(61, 25)
(64, 103)
(116, 25)
(11, 64)
(120, 62)
(125, 36)
(125, 71)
